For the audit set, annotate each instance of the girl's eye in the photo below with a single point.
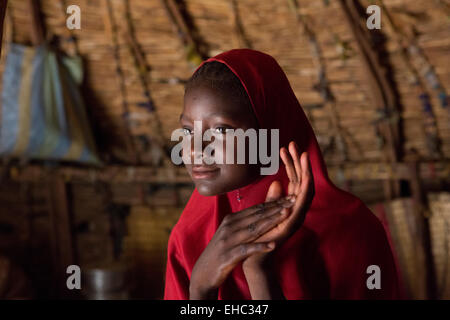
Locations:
(221, 130)
(187, 131)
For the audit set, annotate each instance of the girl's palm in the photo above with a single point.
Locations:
(301, 185)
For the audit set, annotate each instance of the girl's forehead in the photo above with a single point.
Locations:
(206, 101)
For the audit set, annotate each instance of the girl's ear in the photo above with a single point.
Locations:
(275, 191)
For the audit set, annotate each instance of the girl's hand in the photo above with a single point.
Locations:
(301, 185)
(234, 242)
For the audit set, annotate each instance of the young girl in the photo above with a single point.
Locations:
(291, 235)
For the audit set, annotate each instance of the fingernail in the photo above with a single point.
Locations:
(271, 245)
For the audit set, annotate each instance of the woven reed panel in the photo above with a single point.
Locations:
(283, 39)
(430, 20)
(145, 248)
(404, 229)
(440, 238)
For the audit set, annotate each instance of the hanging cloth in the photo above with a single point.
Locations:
(43, 114)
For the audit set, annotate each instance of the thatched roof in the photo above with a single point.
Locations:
(150, 28)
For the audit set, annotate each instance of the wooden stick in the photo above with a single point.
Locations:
(143, 174)
(184, 31)
(421, 203)
(419, 89)
(62, 231)
(242, 40)
(69, 32)
(179, 20)
(37, 24)
(383, 93)
(320, 65)
(3, 5)
(112, 32)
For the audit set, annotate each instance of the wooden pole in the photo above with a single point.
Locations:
(385, 97)
(431, 170)
(382, 91)
(37, 24)
(3, 5)
(196, 48)
(323, 86)
(421, 205)
(112, 32)
(62, 236)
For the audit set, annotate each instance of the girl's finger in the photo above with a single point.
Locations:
(307, 166)
(274, 192)
(307, 186)
(244, 250)
(262, 214)
(260, 209)
(293, 149)
(287, 160)
(253, 227)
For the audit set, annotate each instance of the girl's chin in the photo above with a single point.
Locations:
(210, 188)
(207, 191)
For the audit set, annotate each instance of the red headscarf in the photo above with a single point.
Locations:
(329, 255)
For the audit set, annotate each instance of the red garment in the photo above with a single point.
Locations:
(329, 255)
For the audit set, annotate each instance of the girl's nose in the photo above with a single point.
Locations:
(196, 156)
(197, 150)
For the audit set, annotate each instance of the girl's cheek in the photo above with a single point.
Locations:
(186, 152)
(220, 152)
(230, 151)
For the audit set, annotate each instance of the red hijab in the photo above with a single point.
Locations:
(329, 255)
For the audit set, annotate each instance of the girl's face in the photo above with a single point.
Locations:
(217, 112)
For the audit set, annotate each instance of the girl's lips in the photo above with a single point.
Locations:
(204, 172)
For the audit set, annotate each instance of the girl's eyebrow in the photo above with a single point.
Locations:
(220, 115)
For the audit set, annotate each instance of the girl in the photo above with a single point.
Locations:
(291, 235)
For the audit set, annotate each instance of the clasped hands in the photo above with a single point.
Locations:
(253, 234)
